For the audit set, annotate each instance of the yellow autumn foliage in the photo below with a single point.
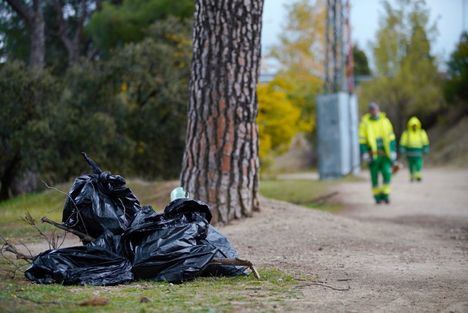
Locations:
(278, 120)
(301, 87)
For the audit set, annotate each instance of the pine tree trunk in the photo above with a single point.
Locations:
(220, 164)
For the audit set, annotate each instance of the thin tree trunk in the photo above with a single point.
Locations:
(220, 164)
(7, 178)
(37, 35)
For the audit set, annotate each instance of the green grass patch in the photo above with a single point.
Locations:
(223, 294)
(305, 192)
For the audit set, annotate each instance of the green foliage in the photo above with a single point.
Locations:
(28, 102)
(128, 112)
(14, 40)
(456, 86)
(154, 78)
(407, 81)
(118, 24)
(361, 63)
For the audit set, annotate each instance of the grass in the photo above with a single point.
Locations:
(224, 294)
(304, 192)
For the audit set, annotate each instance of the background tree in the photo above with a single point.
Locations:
(403, 49)
(70, 20)
(121, 22)
(127, 111)
(456, 86)
(27, 100)
(300, 53)
(361, 63)
(220, 164)
(31, 14)
(278, 122)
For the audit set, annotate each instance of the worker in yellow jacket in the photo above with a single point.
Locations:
(378, 148)
(414, 143)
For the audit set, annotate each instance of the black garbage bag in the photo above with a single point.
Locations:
(110, 242)
(168, 249)
(98, 203)
(80, 266)
(132, 242)
(180, 208)
(176, 246)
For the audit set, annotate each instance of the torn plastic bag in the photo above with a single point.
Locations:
(98, 203)
(80, 266)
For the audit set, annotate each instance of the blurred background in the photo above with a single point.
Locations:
(111, 78)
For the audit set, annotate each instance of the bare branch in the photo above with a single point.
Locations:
(7, 246)
(83, 237)
(28, 219)
(21, 9)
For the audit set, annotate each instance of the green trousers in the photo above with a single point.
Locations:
(415, 164)
(381, 166)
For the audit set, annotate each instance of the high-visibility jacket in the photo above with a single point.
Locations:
(376, 136)
(414, 140)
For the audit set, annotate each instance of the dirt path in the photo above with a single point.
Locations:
(409, 256)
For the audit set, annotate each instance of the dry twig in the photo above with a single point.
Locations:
(237, 262)
(7, 246)
(319, 283)
(82, 236)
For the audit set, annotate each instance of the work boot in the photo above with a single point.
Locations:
(377, 199)
(385, 199)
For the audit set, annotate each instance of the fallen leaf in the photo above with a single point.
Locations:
(96, 301)
(144, 300)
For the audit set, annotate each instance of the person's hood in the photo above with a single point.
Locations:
(414, 121)
(367, 116)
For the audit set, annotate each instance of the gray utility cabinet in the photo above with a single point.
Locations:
(337, 135)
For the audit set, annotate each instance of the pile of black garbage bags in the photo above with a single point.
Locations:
(130, 241)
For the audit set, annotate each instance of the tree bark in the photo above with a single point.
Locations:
(220, 164)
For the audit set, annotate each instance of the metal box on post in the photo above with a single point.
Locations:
(337, 135)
